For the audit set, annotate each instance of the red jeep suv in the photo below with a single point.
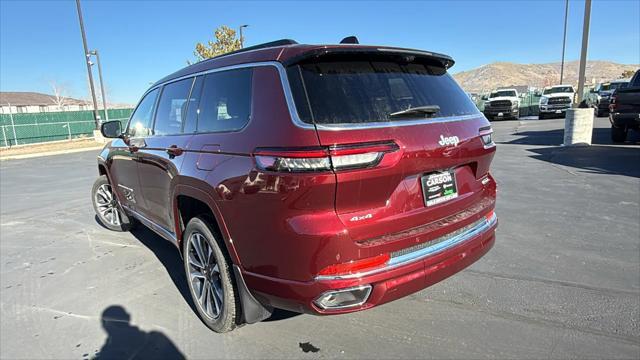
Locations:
(322, 179)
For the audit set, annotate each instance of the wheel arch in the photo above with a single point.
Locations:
(189, 201)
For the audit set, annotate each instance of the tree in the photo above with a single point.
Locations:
(627, 74)
(226, 41)
(59, 94)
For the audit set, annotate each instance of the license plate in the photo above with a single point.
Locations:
(439, 187)
(558, 111)
(500, 114)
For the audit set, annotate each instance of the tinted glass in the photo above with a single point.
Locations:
(617, 85)
(140, 123)
(192, 108)
(636, 79)
(172, 108)
(502, 93)
(225, 103)
(368, 91)
(555, 90)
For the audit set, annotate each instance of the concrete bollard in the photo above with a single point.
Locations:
(578, 126)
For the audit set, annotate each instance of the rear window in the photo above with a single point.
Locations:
(347, 92)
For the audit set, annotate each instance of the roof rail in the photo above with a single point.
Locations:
(280, 42)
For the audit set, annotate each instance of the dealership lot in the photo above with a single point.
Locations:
(562, 281)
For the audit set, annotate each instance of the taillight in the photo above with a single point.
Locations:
(356, 266)
(612, 103)
(486, 135)
(341, 157)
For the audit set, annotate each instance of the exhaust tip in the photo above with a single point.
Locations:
(343, 298)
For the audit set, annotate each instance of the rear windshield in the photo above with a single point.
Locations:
(347, 92)
(618, 85)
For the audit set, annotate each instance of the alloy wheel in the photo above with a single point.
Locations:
(204, 276)
(107, 206)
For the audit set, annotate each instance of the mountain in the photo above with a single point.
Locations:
(504, 74)
(34, 98)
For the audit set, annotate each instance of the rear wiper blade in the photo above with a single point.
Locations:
(424, 110)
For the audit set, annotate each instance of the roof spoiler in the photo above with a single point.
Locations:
(446, 61)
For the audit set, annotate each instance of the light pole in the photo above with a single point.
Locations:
(242, 36)
(564, 38)
(583, 53)
(104, 97)
(96, 116)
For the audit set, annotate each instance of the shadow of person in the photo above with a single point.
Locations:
(125, 341)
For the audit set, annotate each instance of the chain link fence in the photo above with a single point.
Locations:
(32, 128)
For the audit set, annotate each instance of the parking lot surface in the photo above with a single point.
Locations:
(563, 279)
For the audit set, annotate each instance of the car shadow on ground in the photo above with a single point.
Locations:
(170, 258)
(622, 159)
(126, 341)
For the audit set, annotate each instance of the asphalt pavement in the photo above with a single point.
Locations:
(563, 280)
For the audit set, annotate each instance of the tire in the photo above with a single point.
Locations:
(107, 208)
(541, 116)
(489, 117)
(600, 113)
(517, 116)
(219, 309)
(618, 134)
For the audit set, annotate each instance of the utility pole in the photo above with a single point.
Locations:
(104, 97)
(583, 53)
(564, 38)
(96, 116)
(241, 36)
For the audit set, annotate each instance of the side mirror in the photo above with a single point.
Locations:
(111, 129)
(484, 97)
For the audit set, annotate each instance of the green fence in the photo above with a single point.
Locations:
(19, 129)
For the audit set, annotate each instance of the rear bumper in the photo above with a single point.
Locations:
(407, 273)
(629, 120)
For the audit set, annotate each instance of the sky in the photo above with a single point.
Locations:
(142, 41)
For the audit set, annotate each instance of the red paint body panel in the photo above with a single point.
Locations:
(282, 229)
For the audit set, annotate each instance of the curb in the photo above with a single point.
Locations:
(49, 153)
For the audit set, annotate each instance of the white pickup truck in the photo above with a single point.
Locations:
(555, 100)
(502, 104)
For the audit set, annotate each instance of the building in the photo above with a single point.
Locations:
(32, 102)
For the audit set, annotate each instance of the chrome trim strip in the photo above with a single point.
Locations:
(420, 254)
(361, 287)
(420, 121)
(152, 225)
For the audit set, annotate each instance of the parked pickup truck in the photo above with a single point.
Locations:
(624, 109)
(502, 103)
(599, 97)
(555, 100)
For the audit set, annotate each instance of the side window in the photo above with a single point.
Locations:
(225, 103)
(172, 108)
(140, 124)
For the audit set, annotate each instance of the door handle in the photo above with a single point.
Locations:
(174, 151)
